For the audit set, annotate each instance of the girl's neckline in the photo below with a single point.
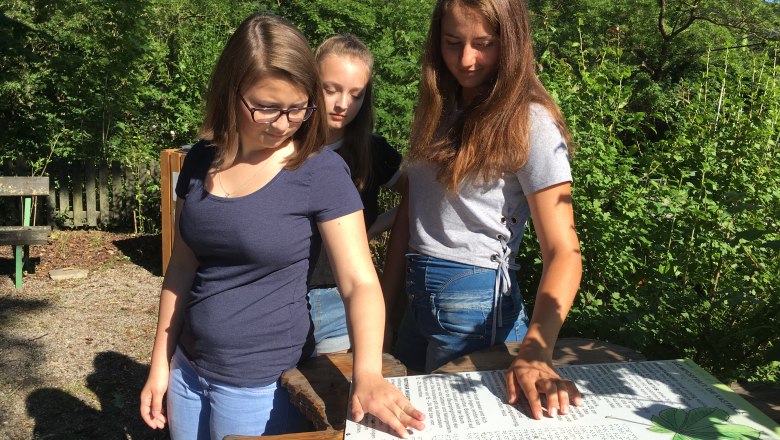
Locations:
(237, 198)
(215, 184)
(335, 145)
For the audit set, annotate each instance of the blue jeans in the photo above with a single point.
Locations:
(450, 312)
(329, 319)
(202, 409)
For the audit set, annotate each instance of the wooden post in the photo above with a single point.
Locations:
(165, 207)
(171, 161)
(129, 199)
(22, 253)
(105, 210)
(116, 193)
(89, 187)
(65, 212)
(78, 196)
(51, 201)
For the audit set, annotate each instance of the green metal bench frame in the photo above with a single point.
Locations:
(21, 237)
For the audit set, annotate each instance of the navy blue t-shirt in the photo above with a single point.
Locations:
(246, 319)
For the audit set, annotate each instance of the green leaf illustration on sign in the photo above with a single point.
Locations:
(701, 424)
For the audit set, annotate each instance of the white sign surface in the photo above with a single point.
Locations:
(651, 400)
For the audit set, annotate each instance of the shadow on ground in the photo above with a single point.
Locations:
(20, 357)
(116, 381)
(144, 251)
(8, 267)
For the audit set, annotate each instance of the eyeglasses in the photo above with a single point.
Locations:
(269, 115)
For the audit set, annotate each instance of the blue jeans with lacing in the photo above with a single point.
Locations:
(451, 311)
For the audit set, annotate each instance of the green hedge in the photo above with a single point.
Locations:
(676, 182)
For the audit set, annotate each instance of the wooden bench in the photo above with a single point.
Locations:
(21, 237)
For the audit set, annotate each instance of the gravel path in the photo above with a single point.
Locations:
(74, 353)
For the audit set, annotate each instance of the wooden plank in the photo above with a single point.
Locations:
(77, 190)
(51, 205)
(64, 195)
(91, 194)
(24, 235)
(128, 211)
(316, 435)
(154, 171)
(142, 173)
(103, 190)
(24, 186)
(165, 207)
(116, 192)
(174, 162)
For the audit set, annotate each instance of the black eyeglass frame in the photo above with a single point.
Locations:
(309, 111)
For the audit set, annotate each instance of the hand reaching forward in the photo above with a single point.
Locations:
(532, 374)
(373, 394)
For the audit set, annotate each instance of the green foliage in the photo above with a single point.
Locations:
(675, 184)
(111, 81)
(677, 207)
(664, 38)
(395, 33)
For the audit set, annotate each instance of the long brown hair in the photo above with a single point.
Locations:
(356, 149)
(262, 45)
(492, 135)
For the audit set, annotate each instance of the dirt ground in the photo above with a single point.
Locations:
(74, 354)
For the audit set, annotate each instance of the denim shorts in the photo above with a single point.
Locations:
(330, 320)
(202, 409)
(450, 312)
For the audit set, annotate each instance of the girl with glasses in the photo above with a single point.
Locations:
(254, 198)
(345, 66)
(489, 149)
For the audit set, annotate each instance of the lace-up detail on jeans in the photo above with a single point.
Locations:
(503, 283)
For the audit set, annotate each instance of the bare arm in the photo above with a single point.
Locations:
(384, 221)
(347, 247)
(176, 287)
(393, 274)
(532, 372)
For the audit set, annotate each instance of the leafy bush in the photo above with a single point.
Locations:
(676, 189)
(677, 209)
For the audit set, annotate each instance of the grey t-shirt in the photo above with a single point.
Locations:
(464, 226)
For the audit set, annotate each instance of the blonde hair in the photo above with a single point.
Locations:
(492, 135)
(263, 45)
(356, 150)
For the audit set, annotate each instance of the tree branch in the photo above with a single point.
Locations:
(662, 19)
(692, 17)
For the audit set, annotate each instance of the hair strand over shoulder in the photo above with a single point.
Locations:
(492, 135)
